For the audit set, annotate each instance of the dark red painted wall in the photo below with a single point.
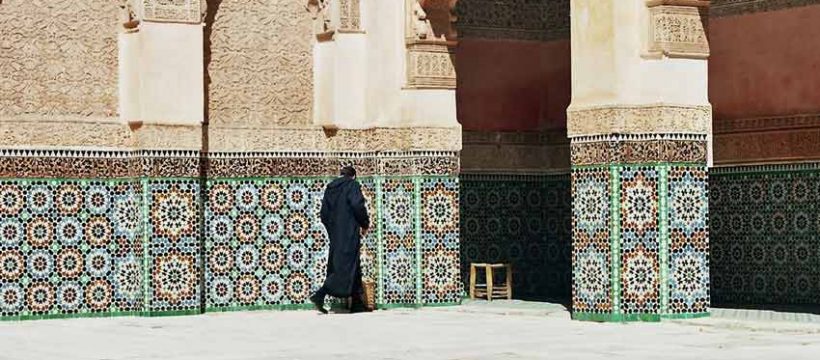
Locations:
(765, 64)
(506, 85)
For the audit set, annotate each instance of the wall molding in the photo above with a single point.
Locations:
(766, 140)
(721, 8)
(540, 20)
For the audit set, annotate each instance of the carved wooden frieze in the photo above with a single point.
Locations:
(183, 11)
(677, 28)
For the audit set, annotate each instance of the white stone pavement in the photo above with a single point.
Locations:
(476, 331)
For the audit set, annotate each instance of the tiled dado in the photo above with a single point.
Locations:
(150, 236)
(523, 220)
(639, 229)
(765, 246)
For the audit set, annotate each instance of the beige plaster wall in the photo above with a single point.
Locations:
(171, 81)
(609, 65)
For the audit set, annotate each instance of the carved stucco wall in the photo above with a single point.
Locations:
(58, 57)
(260, 65)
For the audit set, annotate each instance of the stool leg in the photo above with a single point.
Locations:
(509, 282)
(489, 271)
(472, 282)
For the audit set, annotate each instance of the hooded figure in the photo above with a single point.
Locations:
(344, 215)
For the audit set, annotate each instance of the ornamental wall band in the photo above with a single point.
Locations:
(539, 20)
(639, 119)
(739, 7)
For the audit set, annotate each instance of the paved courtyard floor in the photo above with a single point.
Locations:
(475, 331)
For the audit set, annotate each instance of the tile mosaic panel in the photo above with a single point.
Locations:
(371, 262)
(524, 220)
(657, 241)
(172, 238)
(764, 224)
(439, 229)
(264, 244)
(69, 247)
(687, 215)
(592, 228)
(639, 241)
(144, 232)
(399, 241)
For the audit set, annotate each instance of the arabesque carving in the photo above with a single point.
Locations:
(261, 67)
(430, 66)
(639, 119)
(678, 28)
(66, 65)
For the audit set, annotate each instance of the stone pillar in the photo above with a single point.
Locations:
(639, 123)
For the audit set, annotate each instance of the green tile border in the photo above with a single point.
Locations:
(663, 235)
(379, 183)
(417, 236)
(615, 238)
(598, 317)
(86, 315)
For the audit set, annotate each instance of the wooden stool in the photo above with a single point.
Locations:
(488, 289)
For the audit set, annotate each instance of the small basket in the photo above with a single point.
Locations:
(369, 294)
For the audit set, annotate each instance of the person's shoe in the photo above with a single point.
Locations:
(319, 303)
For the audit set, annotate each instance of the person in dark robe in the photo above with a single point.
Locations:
(344, 215)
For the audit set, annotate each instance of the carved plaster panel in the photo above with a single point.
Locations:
(176, 137)
(350, 15)
(64, 131)
(430, 66)
(539, 20)
(638, 119)
(58, 58)
(261, 64)
(185, 11)
(678, 31)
